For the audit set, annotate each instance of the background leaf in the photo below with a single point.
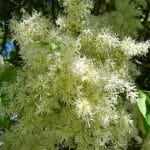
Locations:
(142, 103)
(8, 74)
(148, 118)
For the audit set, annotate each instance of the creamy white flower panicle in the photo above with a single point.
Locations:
(71, 84)
(34, 28)
(132, 48)
(107, 40)
(115, 84)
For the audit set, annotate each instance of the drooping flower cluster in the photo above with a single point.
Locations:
(131, 48)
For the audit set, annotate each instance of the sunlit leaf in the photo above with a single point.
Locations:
(148, 118)
(142, 103)
(148, 98)
(54, 46)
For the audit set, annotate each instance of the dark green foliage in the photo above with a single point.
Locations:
(5, 123)
(8, 74)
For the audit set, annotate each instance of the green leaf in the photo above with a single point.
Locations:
(8, 74)
(142, 103)
(5, 123)
(148, 98)
(147, 93)
(13, 2)
(148, 119)
(5, 99)
(146, 126)
(54, 46)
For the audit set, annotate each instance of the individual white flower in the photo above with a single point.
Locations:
(83, 108)
(115, 117)
(138, 139)
(14, 117)
(105, 121)
(132, 96)
(131, 93)
(1, 143)
(59, 21)
(114, 83)
(102, 143)
(87, 31)
(111, 100)
(79, 66)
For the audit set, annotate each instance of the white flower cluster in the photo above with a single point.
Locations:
(132, 48)
(77, 84)
(115, 84)
(83, 108)
(34, 28)
(107, 40)
(61, 23)
(83, 68)
(112, 99)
